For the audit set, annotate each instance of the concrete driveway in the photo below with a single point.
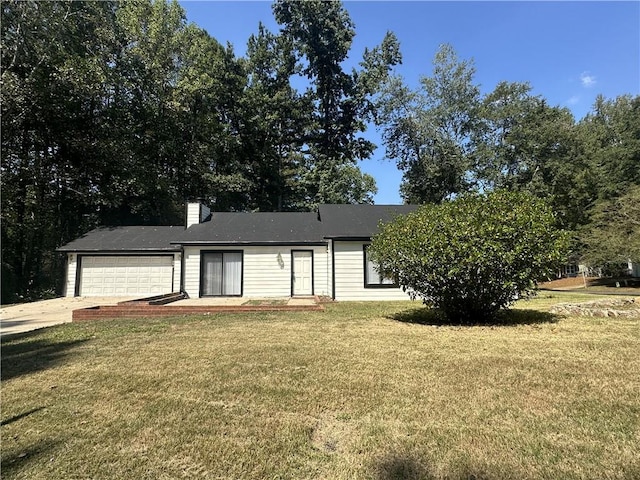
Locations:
(25, 317)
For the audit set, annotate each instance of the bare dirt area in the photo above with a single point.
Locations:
(609, 286)
(568, 283)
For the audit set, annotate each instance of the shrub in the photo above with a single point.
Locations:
(474, 255)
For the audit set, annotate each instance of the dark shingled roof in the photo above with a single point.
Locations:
(236, 228)
(358, 221)
(256, 228)
(121, 239)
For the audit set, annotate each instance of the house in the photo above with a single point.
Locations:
(237, 254)
(633, 269)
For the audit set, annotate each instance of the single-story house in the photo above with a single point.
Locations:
(237, 254)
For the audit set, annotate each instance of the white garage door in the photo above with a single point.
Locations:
(125, 276)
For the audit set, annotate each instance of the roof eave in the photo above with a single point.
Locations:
(225, 243)
(120, 250)
(349, 238)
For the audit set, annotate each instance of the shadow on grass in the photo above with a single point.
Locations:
(407, 468)
(16, 459)
(613, 282)
(401, 468)
(433, 317)
(20, 416)
(26, 353)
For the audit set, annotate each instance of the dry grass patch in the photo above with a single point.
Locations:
(266, 302)
(357, 391)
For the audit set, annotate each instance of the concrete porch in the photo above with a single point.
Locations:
(197, 306)
(238, 301)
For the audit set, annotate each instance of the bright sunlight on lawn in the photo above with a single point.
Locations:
(373, 390)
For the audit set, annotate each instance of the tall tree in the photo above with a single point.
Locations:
(144, 75)
(610, 145)
(502, 112)
(277, 118)
(208, 104)
(610, 136)
(612, 236)
(522, 143)
(322, 35)
(94, 104)
(427, 131)
(53, 71)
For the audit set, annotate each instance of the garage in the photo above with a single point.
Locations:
(123, 261)
(127, 275)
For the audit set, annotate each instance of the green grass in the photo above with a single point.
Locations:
(360, 391)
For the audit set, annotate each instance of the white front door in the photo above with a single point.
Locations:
(302, 275)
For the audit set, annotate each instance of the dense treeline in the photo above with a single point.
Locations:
(448, 139)
(116, 112)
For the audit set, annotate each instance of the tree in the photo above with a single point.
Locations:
(53, 82)
(427, 131)
(502, 113)
(94, 107)
(276, 119)
(474, 255)
(524, 144)
(321, 34)
(144, 72)
(610, 140)
(213, 161)
(613, 235)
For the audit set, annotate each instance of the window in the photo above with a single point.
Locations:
(221, 273)
(373, 277)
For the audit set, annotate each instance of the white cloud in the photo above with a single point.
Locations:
(574, 100)
(587, 79)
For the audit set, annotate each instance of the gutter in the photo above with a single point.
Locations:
(231, 243)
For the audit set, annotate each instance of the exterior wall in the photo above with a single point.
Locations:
(177, 271)
(191, 271)
(266, 270)
(72, 269)
(349, 275)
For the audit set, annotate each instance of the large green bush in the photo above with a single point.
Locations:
(474, 255)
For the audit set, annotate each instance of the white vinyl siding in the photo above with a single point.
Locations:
(112, 275)
(196, 213)
(349, 275)
(266, 269)
(72, 268)
(177, 272)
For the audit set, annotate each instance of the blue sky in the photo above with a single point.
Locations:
(568, 51)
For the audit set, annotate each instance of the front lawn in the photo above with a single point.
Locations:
(371, 391)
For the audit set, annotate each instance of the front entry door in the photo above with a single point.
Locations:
(302, 275)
